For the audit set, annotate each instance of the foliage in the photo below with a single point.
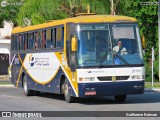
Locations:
(38, 11)
(9, 11)
(147, 17)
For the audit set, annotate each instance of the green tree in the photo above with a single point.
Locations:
(147, 16)
(38, 11)
(9, 10)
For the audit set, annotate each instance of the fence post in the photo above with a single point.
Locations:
(152, 66)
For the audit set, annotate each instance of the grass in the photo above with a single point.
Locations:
(5, 83)
(149, 85)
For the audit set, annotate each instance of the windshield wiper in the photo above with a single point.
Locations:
(103, 58)
(114, 54)
(119, 56)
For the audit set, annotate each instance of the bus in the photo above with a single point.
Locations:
(76, 57)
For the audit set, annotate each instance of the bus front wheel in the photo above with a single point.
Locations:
(120, 98)
(27, 92)
(67, 96)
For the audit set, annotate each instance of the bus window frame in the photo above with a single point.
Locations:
(22, 39)
(44, 39)
(50, 46)
(16, 41)
(53, 42)
(26, 41)
(30, 47)
(62, 37)
(41, 40)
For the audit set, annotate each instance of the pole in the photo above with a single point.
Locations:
(152, 66)
(159, 34)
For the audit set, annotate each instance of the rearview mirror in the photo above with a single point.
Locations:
(74, 44)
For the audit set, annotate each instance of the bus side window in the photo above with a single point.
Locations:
(30, 41)
(26, 41)
(16, 46)
(39, 40)
(48, 39)
(36, 41)
(62, 37)
(22, 41)
(44, 39)
(54, 42)
(52, 39)
(59, 37)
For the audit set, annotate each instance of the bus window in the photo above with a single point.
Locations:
(26, 41)
(30, 41)
(36, 41)
(52, 38)
(19, 39)
(54, 42)
(39, 43)
(48, 39)
(22, 42)
(59, 37)
(62, 37)
(16, 43)
(44, 39)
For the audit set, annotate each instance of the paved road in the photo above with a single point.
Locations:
(13, 99)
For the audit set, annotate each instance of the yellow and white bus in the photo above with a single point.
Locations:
(76, 57)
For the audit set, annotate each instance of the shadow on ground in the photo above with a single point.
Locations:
(148, 97)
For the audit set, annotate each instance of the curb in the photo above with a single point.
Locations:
(152, 89)
(6, 85)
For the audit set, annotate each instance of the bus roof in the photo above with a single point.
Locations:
(78, 19)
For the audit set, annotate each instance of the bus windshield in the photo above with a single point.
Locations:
(109, 44)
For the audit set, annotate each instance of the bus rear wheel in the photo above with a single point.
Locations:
(67, 96)
(120, 98)
(27, 92)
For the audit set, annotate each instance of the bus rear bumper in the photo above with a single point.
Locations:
(110, 88)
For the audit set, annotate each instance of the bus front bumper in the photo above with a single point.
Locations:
(110, 88)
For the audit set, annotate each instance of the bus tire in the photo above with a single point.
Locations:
(67, 96)
(27, 92)
(120, 98)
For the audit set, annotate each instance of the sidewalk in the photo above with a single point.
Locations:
(152, 89)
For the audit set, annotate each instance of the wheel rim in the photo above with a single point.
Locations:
(25, 86)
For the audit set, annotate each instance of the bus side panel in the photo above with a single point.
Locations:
(52, 87)
(16, 68)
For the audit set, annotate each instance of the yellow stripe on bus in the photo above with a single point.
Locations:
(19, 71)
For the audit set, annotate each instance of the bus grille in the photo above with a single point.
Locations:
(110, 78)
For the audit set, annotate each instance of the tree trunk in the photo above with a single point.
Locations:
(113, 7)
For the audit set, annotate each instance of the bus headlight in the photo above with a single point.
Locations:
(137, 77)
(81, 79)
